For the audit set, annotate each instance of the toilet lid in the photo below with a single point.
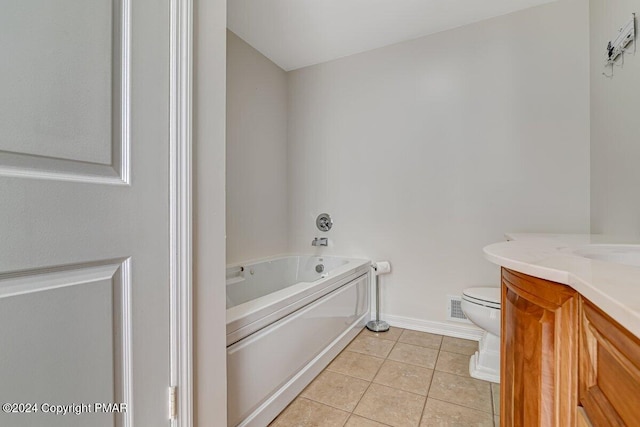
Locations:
(484, 296)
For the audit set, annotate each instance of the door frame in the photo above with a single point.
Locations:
(180, 217)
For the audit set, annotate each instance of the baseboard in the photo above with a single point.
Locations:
(466, 331)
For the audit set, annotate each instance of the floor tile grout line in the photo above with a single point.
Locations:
(399, 389)
(371, 382)
(328, 404)
(491, 394)
(369, 419)
(351, 351)
(460, 354)
(402, 389)
(440, 349)
(377, 338)
(463, 406)
(374, 377)
(424, 407)
(414, 364)
(411, 364)
(323, 403)
(348, 375)
(421, 346)
(418, 345)
(387, 358)
(367, 354)
(459, 375)
(384, 359)
(430, 333)
(328, 368)
(299, 397)
(360, 400)
(469, 377)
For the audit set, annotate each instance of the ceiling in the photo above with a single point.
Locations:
(298, 33)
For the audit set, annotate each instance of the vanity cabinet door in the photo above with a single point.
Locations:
(539, 352)
(609, 384)
(583, 419)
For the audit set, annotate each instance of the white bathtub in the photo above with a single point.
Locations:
(285, 322)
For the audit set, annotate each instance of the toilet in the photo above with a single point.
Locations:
(482, 307)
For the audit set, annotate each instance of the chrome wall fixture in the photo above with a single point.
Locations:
(324, 222)
(320, 241)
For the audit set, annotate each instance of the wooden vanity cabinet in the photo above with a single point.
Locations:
(564, 361)
(609, 378)
(539, 354)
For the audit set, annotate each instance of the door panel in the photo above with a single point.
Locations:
(609, 369)
(65, 112)
(84, 275)
(58, 82)
(54, 316)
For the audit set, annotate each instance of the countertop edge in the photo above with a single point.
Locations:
(616, 309)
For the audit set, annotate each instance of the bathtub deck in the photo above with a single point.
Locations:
(397, 378)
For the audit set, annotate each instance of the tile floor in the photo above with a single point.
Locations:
(397, 378)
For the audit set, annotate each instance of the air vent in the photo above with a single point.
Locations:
(454, 309)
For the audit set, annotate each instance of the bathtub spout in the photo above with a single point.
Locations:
(320, 241)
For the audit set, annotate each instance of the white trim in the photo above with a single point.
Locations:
(469, 332)
(180, 210)
(29, 166)
(26, 282)
(123, 164)
(127, 343)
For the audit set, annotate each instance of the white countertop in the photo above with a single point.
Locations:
(615, 288)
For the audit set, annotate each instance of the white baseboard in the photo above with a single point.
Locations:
(466, 331)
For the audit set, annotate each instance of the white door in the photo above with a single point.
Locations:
(84, 212)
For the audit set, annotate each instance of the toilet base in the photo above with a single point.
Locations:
(485, 363)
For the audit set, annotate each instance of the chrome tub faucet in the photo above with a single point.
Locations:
(320, 241)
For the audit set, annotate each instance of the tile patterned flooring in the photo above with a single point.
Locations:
(398, 378)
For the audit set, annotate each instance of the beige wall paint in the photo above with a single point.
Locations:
(428, 150)
(615, 125)
(210, 356)
(257, 203)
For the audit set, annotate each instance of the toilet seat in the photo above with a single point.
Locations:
(487, 297)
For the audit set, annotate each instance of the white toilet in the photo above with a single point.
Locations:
(482, 307)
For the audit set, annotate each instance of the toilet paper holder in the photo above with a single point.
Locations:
(377, 325)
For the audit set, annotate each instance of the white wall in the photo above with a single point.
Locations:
(428, 150)
(257, 214)
(615, 126)
(210, 355)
